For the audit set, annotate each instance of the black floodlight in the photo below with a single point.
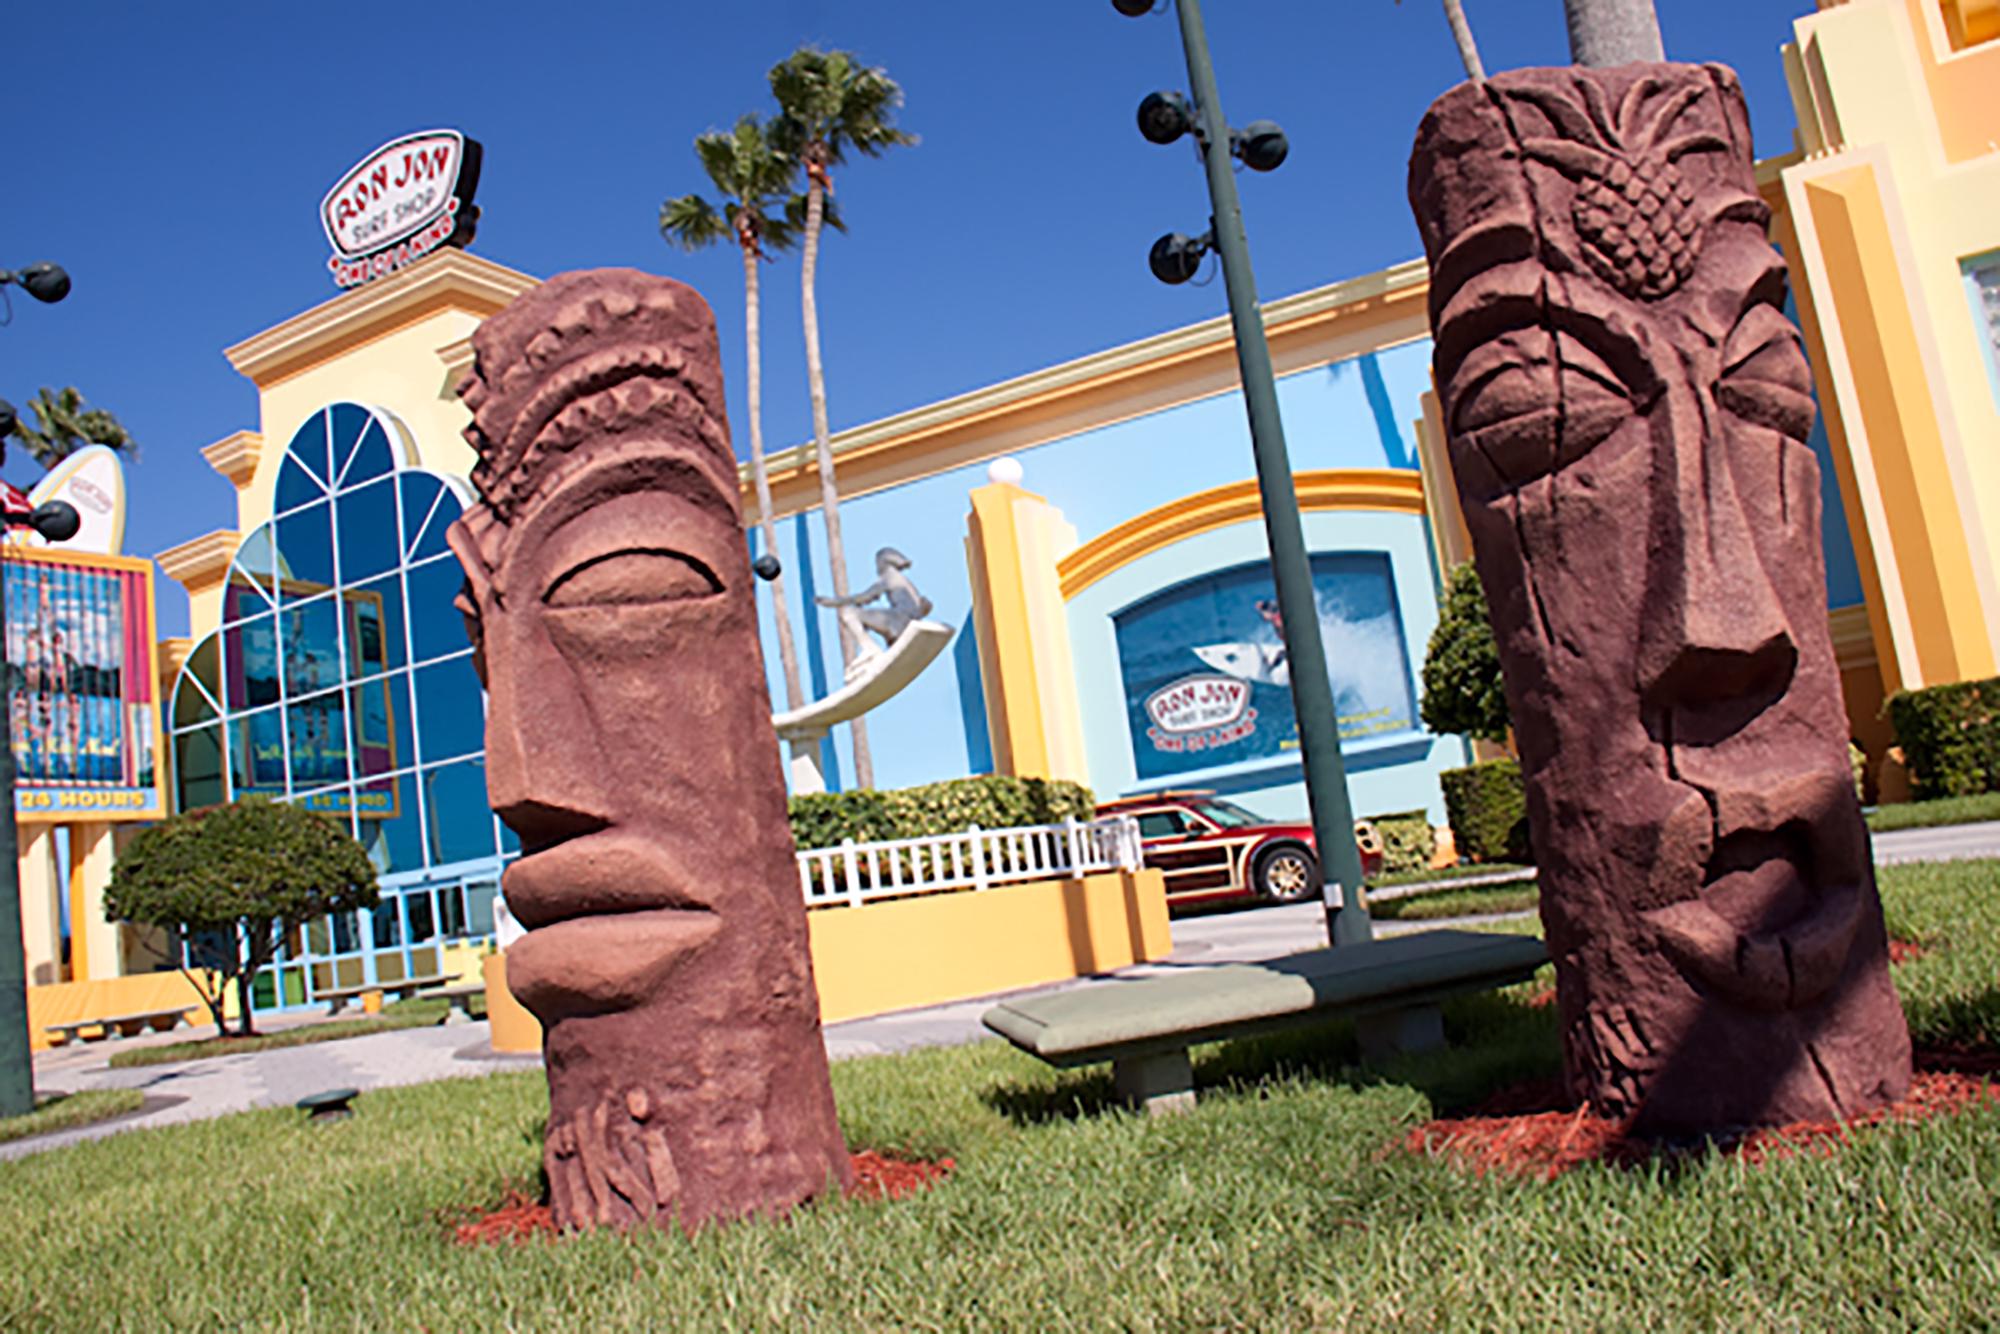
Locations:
(57, 520)
(766, 567)
(1165, 117)
(1261, 145)
(45, 282)
(1133, 9)
(1176, 258)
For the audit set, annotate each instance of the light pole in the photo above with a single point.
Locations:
(1164, 117)
(57, 522)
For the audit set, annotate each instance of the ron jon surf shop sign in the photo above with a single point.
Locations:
(399, 203)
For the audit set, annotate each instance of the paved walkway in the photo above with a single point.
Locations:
(192, 1090)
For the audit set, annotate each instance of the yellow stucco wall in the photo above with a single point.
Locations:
(1898, 184)
(947, 947)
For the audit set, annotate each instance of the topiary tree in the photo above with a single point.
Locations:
(229, 883)
(1462, 689)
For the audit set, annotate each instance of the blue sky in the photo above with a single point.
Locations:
(172, 157)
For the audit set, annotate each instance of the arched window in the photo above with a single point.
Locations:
(340, 677)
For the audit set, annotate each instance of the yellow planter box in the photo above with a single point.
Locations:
(947, 947)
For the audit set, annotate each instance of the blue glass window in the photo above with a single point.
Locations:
(311, 633)
(255, 567)
(461, 823)
(250, 651)
(317, 740)
(446, 727)
(391, 828)
(305, 553)
(437, 627)
(357, 459)
(303, 475)
(367, 524)
(375, 626)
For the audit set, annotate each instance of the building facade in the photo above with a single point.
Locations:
(1090, 531)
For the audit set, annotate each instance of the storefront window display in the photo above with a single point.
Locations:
(341, 678)
(1206, 679)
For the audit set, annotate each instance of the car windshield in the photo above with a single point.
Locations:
(1227, 814)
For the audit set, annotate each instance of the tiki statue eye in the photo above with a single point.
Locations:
(631, 577)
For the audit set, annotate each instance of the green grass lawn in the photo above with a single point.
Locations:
(64, 1111)
(1944, 810)
(1280, 1202)
(1431, 905)
(415, 1013)
(1425, 875)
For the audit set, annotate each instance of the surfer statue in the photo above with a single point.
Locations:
(905, 605)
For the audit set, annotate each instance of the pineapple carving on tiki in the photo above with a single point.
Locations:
(1626, 409)
(629, 745)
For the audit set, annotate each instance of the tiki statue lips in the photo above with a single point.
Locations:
(607, 923)
(1779, 898)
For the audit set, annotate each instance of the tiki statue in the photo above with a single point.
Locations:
(1626, 407)
(629, 745)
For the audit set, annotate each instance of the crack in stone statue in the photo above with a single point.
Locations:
(1626, 408)
(629, 745)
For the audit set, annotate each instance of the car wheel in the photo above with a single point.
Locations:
(1287, 875)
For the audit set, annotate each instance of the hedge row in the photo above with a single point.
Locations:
(994, 801)
(1950, 737)
(1488, 809)
(1407, 840)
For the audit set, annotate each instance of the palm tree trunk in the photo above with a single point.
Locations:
(1461, 32)
(1613, 32)
(781, 613)
(829, 494)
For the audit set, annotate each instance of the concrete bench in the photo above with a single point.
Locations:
(1145, 1025)
(407, 986)
(460, 997)
(119, 1025)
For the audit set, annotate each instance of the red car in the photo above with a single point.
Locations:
(1211, 850)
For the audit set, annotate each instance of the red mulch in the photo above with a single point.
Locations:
(877, 1176)
(1527, 1131)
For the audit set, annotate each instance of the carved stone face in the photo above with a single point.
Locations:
(1627, 409)
(629, 745)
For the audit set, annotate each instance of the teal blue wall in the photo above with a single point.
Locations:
(1357, 413)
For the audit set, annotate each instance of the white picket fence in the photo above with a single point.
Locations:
(852, 874)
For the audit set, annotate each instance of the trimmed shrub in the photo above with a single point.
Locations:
(992, 801)
(1488, 809)
(1462, 687)
(1407, 841)
(1950, 737)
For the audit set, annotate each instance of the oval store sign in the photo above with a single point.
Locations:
(401, 202)
(1200, 713)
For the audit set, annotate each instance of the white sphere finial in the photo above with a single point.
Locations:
(1006, 471)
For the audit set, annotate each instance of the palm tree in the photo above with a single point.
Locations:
(830, 103)
(66, 426)
(1461, 32)
(752, 175)
(1613, 32)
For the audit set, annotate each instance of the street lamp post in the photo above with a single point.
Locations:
(58, 522)
(1261, 146)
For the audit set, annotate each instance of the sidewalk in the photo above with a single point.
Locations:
(218, 1086)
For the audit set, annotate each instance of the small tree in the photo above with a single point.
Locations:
(65, 425)
(1462, 688)
(229, 883)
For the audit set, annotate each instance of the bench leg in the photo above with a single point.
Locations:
(1393, 1032)
(460, 1013)
(1161, 1083)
